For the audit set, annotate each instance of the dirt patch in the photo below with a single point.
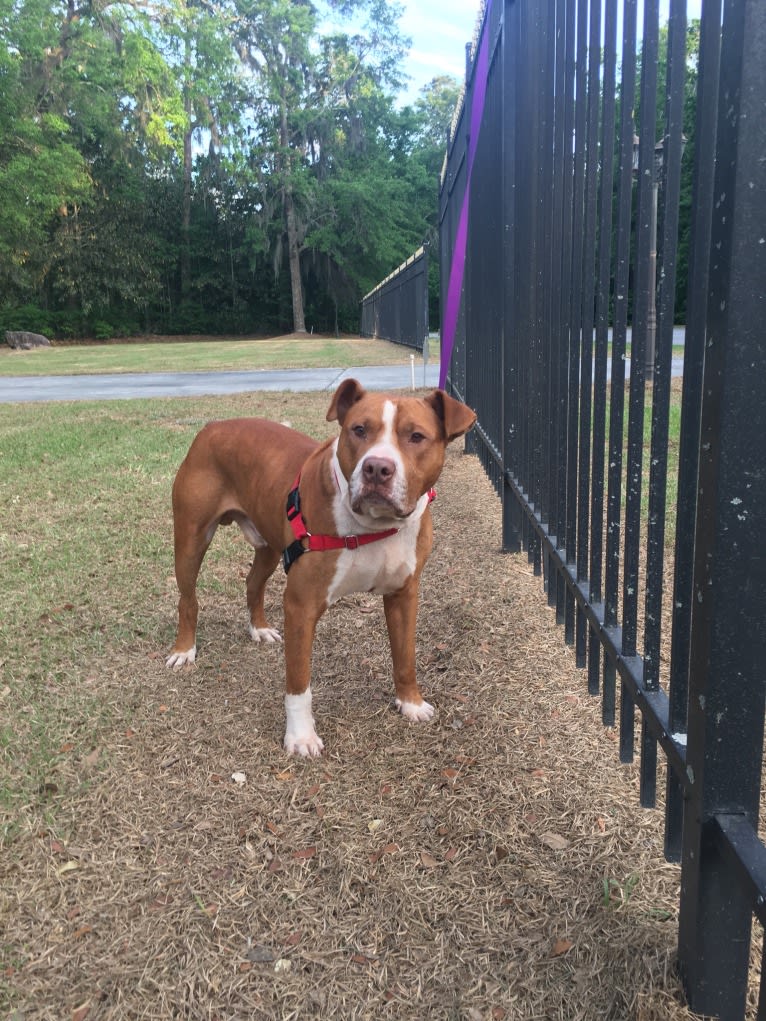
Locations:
(492, 864)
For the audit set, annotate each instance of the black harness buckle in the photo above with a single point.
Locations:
(293, 504)
(296, 548)
(291, 554)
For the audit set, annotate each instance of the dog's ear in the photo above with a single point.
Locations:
(348, 393)
(456, 417)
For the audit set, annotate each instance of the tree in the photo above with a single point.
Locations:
(41, 167)
(274, 38)
(196, 39)
(153, 181)
(305, 85)
(687, 165)
(435, 107)
(87, 90)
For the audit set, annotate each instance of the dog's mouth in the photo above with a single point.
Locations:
(377, 503)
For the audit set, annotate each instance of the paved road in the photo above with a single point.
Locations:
(120, 386)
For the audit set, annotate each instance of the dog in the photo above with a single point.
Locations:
(365, 496)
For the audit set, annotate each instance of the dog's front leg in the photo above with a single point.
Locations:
(401, 610)
(301, 618)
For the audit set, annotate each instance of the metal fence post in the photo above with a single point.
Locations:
(510, 401)
(727, 685)
(531, 242)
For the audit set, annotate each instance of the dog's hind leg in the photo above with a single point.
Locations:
(264, 564)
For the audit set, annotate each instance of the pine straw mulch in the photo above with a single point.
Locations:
(492, 864)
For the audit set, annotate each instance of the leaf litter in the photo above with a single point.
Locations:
(448, 870)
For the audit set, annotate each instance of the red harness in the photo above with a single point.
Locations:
(306, 542)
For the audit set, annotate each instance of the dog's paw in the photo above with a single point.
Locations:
(178, 659)
(300, 736)
(308, 746)
(417, 712)
(265, 634)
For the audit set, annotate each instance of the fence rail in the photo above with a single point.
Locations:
(397, 309)
(568, 161)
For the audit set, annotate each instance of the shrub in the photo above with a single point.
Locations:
(27, 317)
(103, 330)
(68, 324)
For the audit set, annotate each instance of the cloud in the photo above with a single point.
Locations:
(427, 61)
(439, 30)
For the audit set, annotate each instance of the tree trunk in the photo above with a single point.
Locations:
(293, 253)
(293, 249)
(187, 173)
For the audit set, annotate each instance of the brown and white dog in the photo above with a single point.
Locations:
(357, 505)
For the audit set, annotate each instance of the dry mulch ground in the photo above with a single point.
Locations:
(491, 864)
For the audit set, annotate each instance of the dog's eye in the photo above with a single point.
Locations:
(416, 437)
(359, 431)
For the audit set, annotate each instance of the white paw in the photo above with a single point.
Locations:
(265, 634)
(178, 659)
(300, 736)
(308, 745)
(418, 712)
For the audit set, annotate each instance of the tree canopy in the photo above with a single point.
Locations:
(216, 166)
(208, 165)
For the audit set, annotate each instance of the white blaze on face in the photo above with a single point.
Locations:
(386, 447)
(381, 567)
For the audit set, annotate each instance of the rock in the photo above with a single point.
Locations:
(21, 340)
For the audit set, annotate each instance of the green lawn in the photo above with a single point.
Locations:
(86, 561)
(85, 557)
(204, 356)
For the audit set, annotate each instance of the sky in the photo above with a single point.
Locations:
(439, 30)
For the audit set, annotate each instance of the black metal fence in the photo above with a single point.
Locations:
(397, 309)
(649, 532)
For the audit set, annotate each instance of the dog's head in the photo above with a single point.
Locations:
(391, 449)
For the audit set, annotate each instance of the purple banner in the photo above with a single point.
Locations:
(457, 266)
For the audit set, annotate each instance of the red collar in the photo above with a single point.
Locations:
(305, 541)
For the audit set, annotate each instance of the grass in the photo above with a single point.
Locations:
(493, 865)
(467, 869)
(674, 433)
(678, 350)
(77, 545)
(77, 534)
(203, 355)
(211, 355)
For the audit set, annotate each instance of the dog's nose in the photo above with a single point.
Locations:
(378, 471)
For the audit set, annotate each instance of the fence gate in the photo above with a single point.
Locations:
(569, 244)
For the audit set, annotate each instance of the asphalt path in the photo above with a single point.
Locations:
(122, 386)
